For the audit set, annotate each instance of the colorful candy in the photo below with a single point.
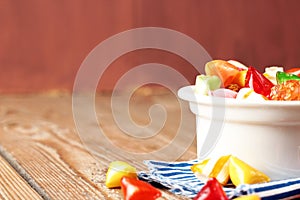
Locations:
(215, 172)
(248, 197)
(240, 78)
(249, 94)
(116, 171)
(206, 83)
(134, 189)
(258, 82)
(242, 173)
(223, 92)
(295, 71)
(213, 168)
(287, 91)
(228, 167)
(270, 73)
(223, 69)
(232, 79)
(283, 77)
(212, 190)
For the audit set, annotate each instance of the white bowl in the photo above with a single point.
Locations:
(264, 134)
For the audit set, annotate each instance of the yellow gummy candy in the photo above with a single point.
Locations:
(199, 166)
(116, 171)
(221, 170)
(240, 78)
(242, 173)
(248, 197)
(218, 169)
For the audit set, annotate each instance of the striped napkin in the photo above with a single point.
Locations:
(180, 180)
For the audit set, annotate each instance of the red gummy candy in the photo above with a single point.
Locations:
(212, 190)
(134, 189)
(258, 82)
(295, 71)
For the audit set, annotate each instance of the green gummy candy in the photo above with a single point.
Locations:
(205, 83)
(282, 77)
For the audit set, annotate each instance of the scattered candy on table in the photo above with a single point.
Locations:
(122, 174)
(248, 197)
(229, 79)
(212, 190)
(116, 171)
(213, 168)
(215, 173)
(242, 173)
(228, 167)
(134, 189)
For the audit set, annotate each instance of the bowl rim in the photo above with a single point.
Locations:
(188, 93)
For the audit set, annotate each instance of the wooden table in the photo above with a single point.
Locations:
(43, 157)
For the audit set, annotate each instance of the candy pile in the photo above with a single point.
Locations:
(213, 190)
(122, 175)
(218, 172)
(232, 79)
(228, 168)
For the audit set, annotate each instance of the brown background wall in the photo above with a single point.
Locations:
(43, 43)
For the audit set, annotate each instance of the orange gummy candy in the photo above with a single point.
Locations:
(286, 91)
(224, 70)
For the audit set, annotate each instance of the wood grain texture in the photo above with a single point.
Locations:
(38, 132)
(12, 185)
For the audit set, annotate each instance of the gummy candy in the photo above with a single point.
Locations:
(223, 69)
(270, 73)
(240, 78)
(134, 189)
(282, 77)
(249, 94)
(212, 190)
(248, 197)
(232, 79)
(116, 171)
(223, 92)
(234, 87)
(211, 168)
(295, 71)
(220, 170)
(228, 167)
(206, 83)
(199, 166)
(286, 91)
(238, 64)
(258, 82)
(242, 173)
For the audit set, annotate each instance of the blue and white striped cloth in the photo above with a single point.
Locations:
(179, 179)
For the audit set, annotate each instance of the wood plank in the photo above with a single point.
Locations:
(12, 185)
(39, 133)
(60, 53)
(42, 157)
